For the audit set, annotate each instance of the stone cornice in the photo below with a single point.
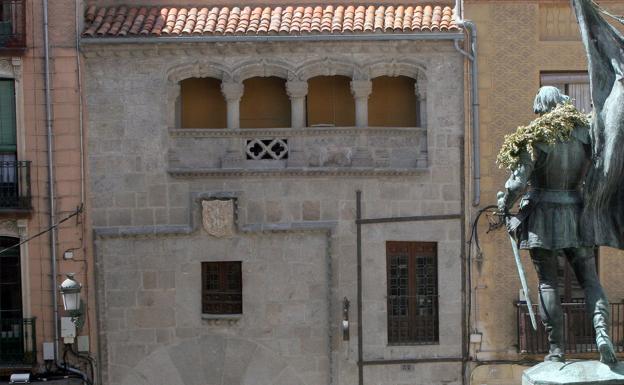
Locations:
(323, 227)
(294, 172)
(290, 132)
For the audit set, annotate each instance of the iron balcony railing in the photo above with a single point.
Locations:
(15, 193)
(579, 331)
(18, 341)
(12, 24)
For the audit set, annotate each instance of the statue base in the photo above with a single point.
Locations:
(574, 372)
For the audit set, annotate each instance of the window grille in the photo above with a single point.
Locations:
(222, 288)
(412, 293)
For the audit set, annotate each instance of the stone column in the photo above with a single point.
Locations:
(421, 98)
(233, 91)
(297, 91)
(361, 90)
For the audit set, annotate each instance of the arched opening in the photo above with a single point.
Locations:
(329, 102)
(202, 104)
(265, 103)
(393, 102)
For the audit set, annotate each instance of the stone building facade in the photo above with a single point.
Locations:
(522, 45)
(172, 205)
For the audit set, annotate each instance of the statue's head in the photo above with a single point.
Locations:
(547, 98)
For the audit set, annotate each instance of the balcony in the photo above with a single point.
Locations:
(15, 194)
(18, 342)
(12, 25)
(579, 332)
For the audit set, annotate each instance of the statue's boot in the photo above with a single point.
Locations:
(552, 318)
(603, 341)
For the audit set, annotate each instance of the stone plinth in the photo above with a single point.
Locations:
(574, 372)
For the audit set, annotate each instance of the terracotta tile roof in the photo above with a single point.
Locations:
(328, 19)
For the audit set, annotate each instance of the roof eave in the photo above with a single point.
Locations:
(455, 35)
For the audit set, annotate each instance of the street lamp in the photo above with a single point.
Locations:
(70, 290)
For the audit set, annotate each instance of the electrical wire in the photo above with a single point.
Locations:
(75, 213)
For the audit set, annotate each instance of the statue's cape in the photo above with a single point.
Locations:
(603, 216)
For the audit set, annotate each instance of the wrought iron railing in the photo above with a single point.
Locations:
(579, 331)
(18, 341)
(15, 190)
(12, 24)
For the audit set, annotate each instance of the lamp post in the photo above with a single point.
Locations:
(70, 291)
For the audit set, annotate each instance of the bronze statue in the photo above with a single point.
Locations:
(548, 222)
(574, 183)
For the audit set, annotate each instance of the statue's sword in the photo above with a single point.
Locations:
(525, 287)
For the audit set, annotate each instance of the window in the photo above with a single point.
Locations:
(265, 103)
(574, 84)
(412, 270)
(222, 288)
(393, 102)
(202, 104)
(329, 102)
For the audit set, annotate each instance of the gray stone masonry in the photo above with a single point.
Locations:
(295, 232)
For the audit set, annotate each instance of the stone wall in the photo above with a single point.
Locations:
(295, 229)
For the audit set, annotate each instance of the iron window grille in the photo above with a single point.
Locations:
(222, 288)
(412, 273)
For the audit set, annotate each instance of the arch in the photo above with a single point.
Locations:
(233, 360)
(263, 68)
(394, 68)
(206, 69)
(327, 67)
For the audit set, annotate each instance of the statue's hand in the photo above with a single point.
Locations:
(501, 202)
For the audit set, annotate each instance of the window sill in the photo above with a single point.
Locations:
(221, 319)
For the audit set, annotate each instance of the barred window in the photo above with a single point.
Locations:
(412, 270)
(222, 288)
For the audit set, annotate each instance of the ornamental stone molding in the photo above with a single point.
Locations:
(9, 228)
(296, 89)
(361, 88)
(263, 68)
(207, 69)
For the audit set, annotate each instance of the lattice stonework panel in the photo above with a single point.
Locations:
(266, 149)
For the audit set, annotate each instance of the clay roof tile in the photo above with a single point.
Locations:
(289, 19)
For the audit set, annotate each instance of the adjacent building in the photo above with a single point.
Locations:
(259, 175)
(522, 46)
(31, 198)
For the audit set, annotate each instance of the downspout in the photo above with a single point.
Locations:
(52, 218)
(474, 110)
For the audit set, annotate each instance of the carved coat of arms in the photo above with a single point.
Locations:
(218, 217)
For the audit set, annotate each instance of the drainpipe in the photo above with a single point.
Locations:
(474, 110)
(52, 219)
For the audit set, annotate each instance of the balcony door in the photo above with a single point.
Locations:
(11, 329)
(9, 186)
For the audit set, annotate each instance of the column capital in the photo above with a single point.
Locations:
(232, 91)
(361, 88)
(296, 88)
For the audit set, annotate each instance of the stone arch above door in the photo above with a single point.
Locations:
(214, 360)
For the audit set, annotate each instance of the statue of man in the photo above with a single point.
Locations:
(549, 185)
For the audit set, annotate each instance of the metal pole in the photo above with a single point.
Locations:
(52, 205)
(358, 216)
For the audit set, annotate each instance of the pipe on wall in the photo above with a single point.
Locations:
(471, 55)
(52, 203)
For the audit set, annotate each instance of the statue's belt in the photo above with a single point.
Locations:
(530, 200)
